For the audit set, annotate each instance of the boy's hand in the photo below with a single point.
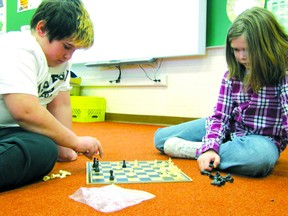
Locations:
(89, 146)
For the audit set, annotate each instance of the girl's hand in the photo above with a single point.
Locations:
(207, 158)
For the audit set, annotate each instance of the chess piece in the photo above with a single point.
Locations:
(111, 175)
(96, 165)
(124, 164)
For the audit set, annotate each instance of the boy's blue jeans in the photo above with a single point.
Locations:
(252, 155)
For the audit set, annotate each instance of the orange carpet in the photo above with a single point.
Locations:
(246, 196)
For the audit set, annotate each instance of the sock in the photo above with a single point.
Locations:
(180, 148)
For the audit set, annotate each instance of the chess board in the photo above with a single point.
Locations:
(135, 172)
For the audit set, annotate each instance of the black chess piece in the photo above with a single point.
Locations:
(228, 178)
(96, 165)
(111, 175)
(94, 162)
(124, 164)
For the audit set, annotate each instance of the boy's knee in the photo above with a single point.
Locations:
(43, 153)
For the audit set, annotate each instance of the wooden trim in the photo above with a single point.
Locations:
(146, 119)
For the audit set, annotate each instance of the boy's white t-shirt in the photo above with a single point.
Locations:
(24, 69)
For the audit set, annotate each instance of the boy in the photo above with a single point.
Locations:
(36, 119)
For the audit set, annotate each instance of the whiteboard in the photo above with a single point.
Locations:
(139, 29)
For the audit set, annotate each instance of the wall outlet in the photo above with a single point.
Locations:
(125, 82)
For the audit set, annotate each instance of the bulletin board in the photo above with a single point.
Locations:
(217, 23)
(219, 17)
(2, 16)
(15, 19)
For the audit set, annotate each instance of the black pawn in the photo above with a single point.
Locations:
(111, 175)
(124, 164)
(96, 165)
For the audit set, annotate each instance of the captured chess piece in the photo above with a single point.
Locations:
(211, 164)
(218, 180)
(228, 178)
(204, 172)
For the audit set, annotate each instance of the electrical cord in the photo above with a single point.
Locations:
(158, 64)
(119, 76)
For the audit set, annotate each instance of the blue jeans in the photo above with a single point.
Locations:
(252, 155)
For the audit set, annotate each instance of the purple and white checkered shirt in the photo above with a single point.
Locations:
(240, 113)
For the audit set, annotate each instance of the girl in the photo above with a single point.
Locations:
(249, 126)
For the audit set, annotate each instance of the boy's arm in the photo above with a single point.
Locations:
(32, 116)
(60, 108)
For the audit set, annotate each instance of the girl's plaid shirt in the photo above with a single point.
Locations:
(240, 113)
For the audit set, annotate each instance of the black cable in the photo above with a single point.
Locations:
(119, 76)
(155, 73)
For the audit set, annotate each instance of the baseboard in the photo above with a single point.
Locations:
(146, 119)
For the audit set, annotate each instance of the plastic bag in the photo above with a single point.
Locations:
(110, 198)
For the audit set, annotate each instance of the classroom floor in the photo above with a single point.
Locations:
(123, 141)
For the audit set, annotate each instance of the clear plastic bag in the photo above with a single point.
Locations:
(110, 198)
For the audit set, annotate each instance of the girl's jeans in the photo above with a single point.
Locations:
(251, 155)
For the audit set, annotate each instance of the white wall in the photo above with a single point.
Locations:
(190, 90)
